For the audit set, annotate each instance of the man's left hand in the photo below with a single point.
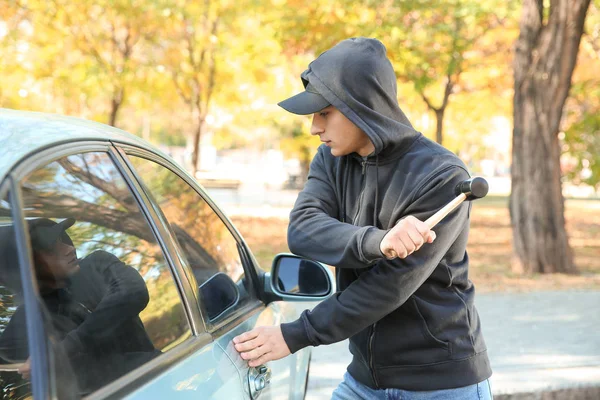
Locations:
(261, 345)
(25, 369)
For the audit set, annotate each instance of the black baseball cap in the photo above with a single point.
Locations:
(305, 103)
(44, 232)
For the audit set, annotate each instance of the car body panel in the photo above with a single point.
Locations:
(24, 132)
(207, 374)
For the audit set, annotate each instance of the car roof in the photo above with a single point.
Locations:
(26, 132)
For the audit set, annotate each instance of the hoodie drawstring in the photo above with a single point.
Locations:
(376, 191)
(346, 164)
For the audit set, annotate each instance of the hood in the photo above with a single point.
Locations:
(356, 77)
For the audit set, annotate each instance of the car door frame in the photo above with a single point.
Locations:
(42, 386)
(36, 331)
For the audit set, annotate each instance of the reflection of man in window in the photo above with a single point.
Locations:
(93, 304)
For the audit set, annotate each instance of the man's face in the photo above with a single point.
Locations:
(340, 134)
(56, 264)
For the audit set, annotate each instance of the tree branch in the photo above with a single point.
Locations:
(530, 26)
(124, 197)
(573, 27)
(212, 68)
(55, 205)
(426, 100)
(179, 90)
(91, 48)
(447, 92)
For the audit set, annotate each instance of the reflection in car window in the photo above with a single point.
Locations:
(13, 385)
(108, 293)
(206, 242)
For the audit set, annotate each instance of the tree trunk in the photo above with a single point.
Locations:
(115, 105)
(196, 152)
(545, 57)
(440, 111)
(305, 160)
(439, 127)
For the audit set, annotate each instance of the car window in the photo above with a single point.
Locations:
(13, 338)
(210, 250)
(110, 300)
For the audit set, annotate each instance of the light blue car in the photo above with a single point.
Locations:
(121, 278)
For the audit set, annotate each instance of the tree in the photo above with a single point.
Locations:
(88, 52)
(108, 33)
(433, 44)
(545, 57)
(191, 58)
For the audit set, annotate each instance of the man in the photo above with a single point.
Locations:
(93, 304)
(414, 331)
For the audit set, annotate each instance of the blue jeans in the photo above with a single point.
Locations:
(351, 389)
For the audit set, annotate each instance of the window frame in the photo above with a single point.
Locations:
(44, 386)
(248, 261)
(37, 342)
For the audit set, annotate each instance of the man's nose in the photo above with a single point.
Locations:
(315, 129)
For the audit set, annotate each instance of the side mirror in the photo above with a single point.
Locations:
(219, 294)
(294, 278)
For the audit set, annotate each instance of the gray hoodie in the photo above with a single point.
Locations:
(411, 322)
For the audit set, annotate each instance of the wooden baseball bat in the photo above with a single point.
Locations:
(447, 209)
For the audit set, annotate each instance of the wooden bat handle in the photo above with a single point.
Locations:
(447, 209)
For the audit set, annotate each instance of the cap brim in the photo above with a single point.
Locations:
(46, 238)
(66, 223)
(304, 103)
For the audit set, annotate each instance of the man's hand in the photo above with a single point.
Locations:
(261, 344)
(405, 238)
(25, 369)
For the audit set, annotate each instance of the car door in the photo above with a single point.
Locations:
(209, 248)
(125, 315)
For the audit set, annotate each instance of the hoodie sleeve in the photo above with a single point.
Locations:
(389, 284)
(314, 233)
(125, 297)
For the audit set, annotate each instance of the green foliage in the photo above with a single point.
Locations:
(583, 142)
(582, 137)
(581, 146)
(168, 138)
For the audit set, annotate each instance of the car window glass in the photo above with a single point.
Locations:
(109, 296)
(209, 248)
(13, 338)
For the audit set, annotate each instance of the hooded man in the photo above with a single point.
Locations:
(413, 328)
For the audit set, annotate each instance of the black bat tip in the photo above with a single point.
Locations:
(479, 187)
(474, 188)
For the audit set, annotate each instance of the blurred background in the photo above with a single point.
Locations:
(512, 87)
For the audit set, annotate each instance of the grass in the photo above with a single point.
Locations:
(489, 248)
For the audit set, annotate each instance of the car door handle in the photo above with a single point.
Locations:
(258, 379)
